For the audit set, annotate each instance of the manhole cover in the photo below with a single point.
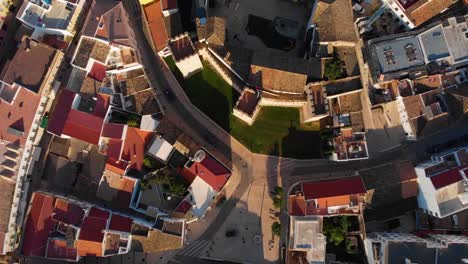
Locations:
(258, 239)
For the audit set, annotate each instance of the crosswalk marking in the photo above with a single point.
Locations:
(195, 249)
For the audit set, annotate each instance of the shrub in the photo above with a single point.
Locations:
(276, 229)
(333, 69)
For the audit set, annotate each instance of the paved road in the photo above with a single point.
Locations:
(203, 130)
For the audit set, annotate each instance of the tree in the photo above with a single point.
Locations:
(333, 69)
(276, 229)
(279, 191)
(278, 201)
(151, 163)
(335, 229)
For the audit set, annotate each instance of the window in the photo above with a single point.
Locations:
(389, 56)
(410, 52)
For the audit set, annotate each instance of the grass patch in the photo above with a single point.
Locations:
(277, 130)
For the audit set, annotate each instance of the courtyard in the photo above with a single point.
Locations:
(288, 17)
(277, 130)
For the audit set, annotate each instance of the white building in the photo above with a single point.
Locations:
(184, 55)
(389, 248)
(161, 149)
(51, 17)
(443, 183)
(306, 241)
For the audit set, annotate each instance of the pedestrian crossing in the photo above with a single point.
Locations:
(195, 249)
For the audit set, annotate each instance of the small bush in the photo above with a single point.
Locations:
(276, 229)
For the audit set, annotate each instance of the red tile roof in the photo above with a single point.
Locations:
(38, 225)
(83, 126)
(111, 130)
(98, 213)
(331, 188)
(18, 115)
(184, 207)
(54, 42)
(297, 205)
(113, 148)
(57, 248)
(93, 229)
(102, 104)
(116, 166)
(98, 71)
(211, 171)
(448, 177)
(68, 213)
(168, 4)
(154, 17)
(120, 223)
(135, 144)
(59, 117)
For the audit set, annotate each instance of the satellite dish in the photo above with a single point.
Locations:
(199, 156)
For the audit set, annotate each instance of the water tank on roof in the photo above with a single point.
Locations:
(199, 156)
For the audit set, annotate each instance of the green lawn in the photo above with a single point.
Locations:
(276, 131)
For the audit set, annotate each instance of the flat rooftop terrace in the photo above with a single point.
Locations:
(399, 54)
(57, 16)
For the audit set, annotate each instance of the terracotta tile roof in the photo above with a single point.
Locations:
(83, 126)
(331, 188)
(68, 213)
(448, 177)
(333, 201)
(97, 9)
(120, 223)
(428, 10)
(54, 42)
(297, 205)
(116, 166)
(211, 171)
(334, 20)
(102, 105)
(98, 71)
(113, 148)
(111, 130)
(115, 26)
(414, 106)
(92, 233)
(273, 72)
(213, 31)
(135, 145)
(60, 113)
(57, 248)
(154, 17)
(30, 64)
(181, 48)
(89, 248)
(90, 87)
(116, 189)
(7, 188)
(98, 213)
(38, 225)
(18, 115)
